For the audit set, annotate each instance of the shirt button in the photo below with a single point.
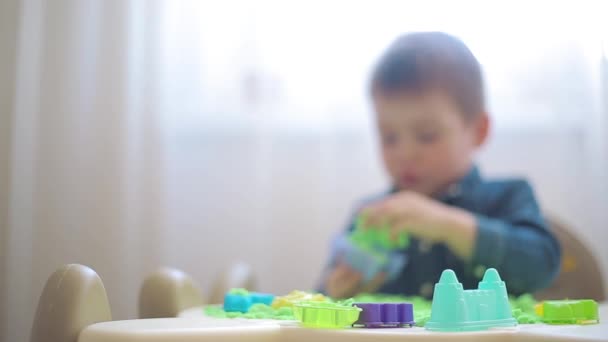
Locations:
(426, 290)
(424, 246)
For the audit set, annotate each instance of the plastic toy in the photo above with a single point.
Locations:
(422, 305)
(369, 262)
(385, 315)
(297, 296)
(237, 303)
(582, 311)
(240, 300)
(261, 298)
(370, 250)
(326, 314)
(455, 309)
(370, 238)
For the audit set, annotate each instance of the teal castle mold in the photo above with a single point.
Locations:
(455, 309)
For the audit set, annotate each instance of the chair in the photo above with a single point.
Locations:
(167, 292)
(239, 275)
(579, 276)
(73, 298)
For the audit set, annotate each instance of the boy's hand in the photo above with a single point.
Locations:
(344, 282)
(424, 218)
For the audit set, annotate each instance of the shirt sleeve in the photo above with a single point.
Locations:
(517, 242)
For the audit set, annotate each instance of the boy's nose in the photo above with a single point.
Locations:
(408, 154)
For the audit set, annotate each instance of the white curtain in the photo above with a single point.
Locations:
(85, 152)
(197, 133)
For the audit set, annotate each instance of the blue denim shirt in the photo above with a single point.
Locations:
(512, 237)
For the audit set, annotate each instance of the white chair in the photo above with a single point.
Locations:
(73, 298)
(167, 292)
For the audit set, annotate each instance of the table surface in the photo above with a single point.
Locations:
(192, 325)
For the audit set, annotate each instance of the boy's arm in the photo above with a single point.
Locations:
(518, 243)
(515, 240)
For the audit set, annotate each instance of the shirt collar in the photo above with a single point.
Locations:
(458, 188)
(462, 186)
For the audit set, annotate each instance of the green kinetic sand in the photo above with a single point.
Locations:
(326, 314)
(370, 238)
(522, 307)
(256, 311)
(241, 292)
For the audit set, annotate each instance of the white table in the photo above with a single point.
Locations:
(194, 326)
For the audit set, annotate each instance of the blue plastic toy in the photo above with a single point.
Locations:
(261, 298)
(369, 262)
(240, 300)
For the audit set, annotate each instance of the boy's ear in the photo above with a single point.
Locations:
(482, 129)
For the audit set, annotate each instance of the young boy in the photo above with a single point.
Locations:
(427, 93)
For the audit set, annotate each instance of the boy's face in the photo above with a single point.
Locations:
(426, 141)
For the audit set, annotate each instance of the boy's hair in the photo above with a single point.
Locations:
(423, 61)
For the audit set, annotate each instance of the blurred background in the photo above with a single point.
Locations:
(195, 134)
